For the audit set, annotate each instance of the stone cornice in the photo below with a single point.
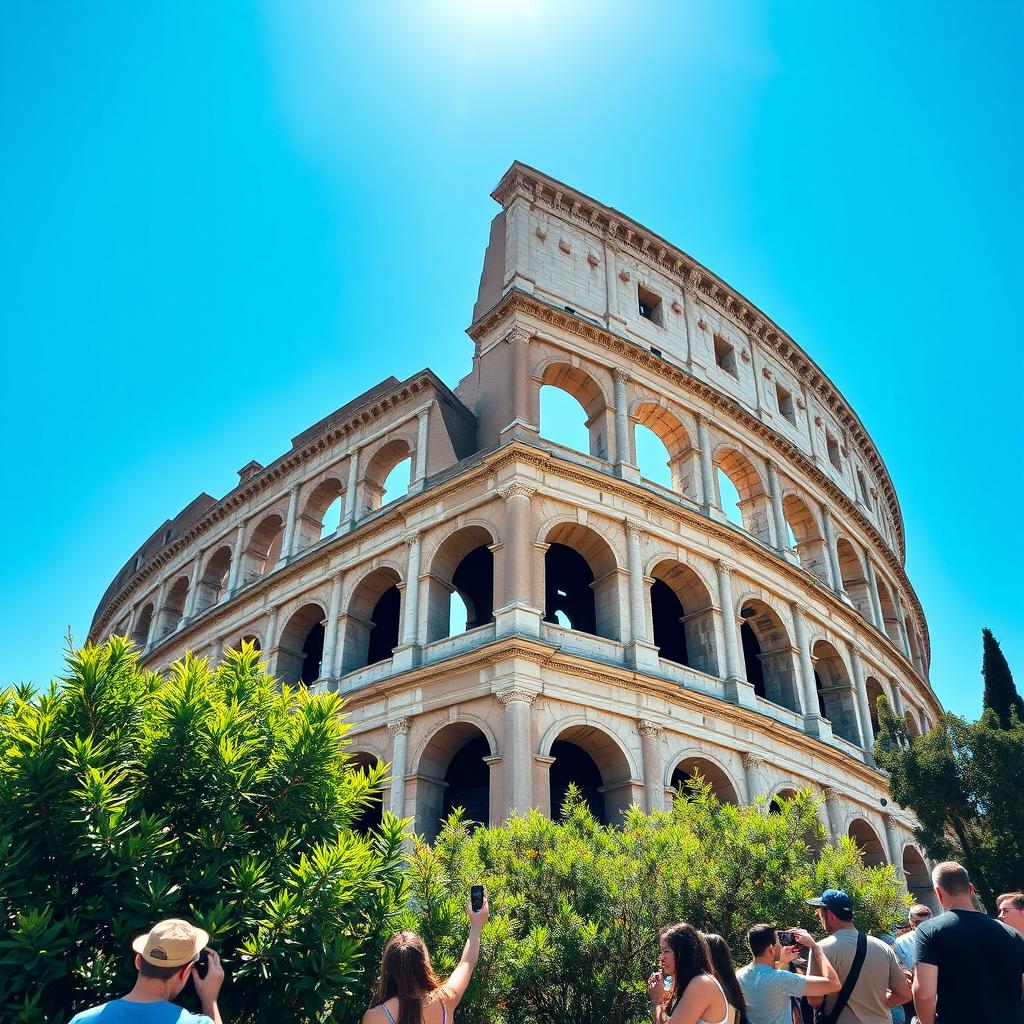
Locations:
(526, 182)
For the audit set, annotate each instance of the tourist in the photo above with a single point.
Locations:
(769, 988)
(873, 981)
(409, 992)
(165, 957)
(969, 966)
(905, 944)
(1011, 910)
(684, 990)
(721, 961)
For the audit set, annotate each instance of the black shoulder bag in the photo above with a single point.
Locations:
(847, 990)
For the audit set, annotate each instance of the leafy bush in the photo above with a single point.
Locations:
(126, 797)
(576, 906)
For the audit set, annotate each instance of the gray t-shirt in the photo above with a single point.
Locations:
(769, 992)
(880, 972)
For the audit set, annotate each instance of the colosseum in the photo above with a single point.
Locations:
(505, 614)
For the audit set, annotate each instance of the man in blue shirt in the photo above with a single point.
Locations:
(768, 990)
(165, 958)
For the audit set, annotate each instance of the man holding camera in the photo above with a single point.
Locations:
(768, 987)
(873, 980)
(165, 957)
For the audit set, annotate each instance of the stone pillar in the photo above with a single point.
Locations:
(861, 694)
(405, 656)
(897, 698)
(236, 562)
(399, 729)
(517, 613)
(904, 636)
(624, 464)
(833, 812)
(329, 662)
(289, 526)
(420, 468)
(752, 777)
(270, 638)
(707, 469)
(737, 689)
(520, 422)
(639, 651)
(612, 316)
(518, 748)
(778, 513)
(216, 649)
(876, 601)
(351, 487)
(650, 748)
(894, 845)
(814, 723)
(833, 553)
(193, 587)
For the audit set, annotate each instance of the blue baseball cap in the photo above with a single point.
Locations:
(835, 900)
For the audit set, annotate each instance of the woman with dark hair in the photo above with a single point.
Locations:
(684, 990)
(725, 972)
(409, 992)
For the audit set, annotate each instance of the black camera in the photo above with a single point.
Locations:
(787, 938)
(476, 898)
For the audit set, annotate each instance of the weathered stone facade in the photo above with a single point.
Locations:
(620, 633)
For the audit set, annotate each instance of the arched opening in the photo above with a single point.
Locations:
(910, 721)
(874, 691)
(835, 692)
(580, 580)
(742, 495)
(768, 655)
(559, 418)
(213, 584)
(919, 881)
(371, 623)
(461, 587)
(594, 761)
(453, 772)
(664, 452)
(173, 610)
(778, 802)
(851, 568)
(715, 776)
(301, 646)
(263, 550)
(890, 619)
(388, 475)
(143, 624)
(250, 638)
(682, 617)
(806, 538)
(373, 814)
(321, 515)
(871, 850)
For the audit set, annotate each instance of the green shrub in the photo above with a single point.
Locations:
(576, 906)
(126, 798)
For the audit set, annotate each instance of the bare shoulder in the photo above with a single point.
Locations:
(374, 1015)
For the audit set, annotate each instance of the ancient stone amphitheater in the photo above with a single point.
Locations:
(518, 614)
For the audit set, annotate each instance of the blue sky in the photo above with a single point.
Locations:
(222, 221)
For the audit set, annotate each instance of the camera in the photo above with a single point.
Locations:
(476, 898)
(787, 938)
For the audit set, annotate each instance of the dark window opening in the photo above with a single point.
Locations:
(384, 628)
(574, 764)
(752, 659)
(468, 779)
(833, 451)
(649, 304)
(312, 653)
(821, 697)
(373, 813)
(785, 400)
(725, 356)
(863, 488)
(568, 589)
(666, 613)
(474, 581)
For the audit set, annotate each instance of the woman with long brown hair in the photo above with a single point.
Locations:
(692, 995)
(725, 972)
(409, 992)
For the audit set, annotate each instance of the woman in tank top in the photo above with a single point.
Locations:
(693, 995)
(725, 972)
(409, 992)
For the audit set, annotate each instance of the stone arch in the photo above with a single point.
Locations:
(594, 758)
(836, 699)
(263, 549)
(768, 653)
(855, 582)
(692, 762)
(143, 626)
(385, 458)
(910, 721)
(584, 387)
(810, 546)
(372, 618)
(874, 691)
(683, 456)
(310, 524)
(866, 838)
(173, 611)
(251, 636)
(683, 616)
(783, 791)
(753, 506)
(300, 647)
(451, 771)
(462, 567)
(918, 878)
(372, 815)
(213, 581)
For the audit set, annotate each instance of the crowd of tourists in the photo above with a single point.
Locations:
(957, 967)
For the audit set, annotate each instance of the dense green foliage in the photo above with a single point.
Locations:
(126, 797)
(576, 906)
(1001, 694)
(962, 782)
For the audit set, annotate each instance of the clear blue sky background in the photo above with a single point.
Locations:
(218, 222)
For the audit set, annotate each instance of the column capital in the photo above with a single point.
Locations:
(830, 793)
(826, 513)
(633, 528)
(724, 568)
(751, 761)
(648, 728)
(413, 538)
(399, 726)
(517, 332)
(516, 694)
(620, 375)
(890, 822)
(516, 490)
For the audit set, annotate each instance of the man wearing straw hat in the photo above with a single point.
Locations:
(166, 958)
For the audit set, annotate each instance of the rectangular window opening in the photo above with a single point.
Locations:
(833, 451)
(863, 488)
(785, 400)
(725, 356)
(650, 305)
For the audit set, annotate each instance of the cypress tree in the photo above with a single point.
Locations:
(1000, 692)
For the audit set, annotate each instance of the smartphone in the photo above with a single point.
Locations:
(476, 898)
(202, 964)
(787, 938)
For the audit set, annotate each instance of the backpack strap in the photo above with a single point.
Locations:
(851, 980)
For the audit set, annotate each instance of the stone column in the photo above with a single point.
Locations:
(897, 698)
(733, 669)
(707, 469)
(833, 811)
(351, 487)
(270, 638)
(328, 664)
(289, 526)
(901, 620)
(778, 513)
(893, 844)
(518, 748)
(650, 748)
(814, 723)
(876, 601)
(623, 456)
(520, 422)
(405, 656)
(399, 729)
(752, 768)
(216, 649)
(640, 652)
(517, 613)
(236, 562)
(193, 587)
(420, 469)
(833, 553)
(861, 694)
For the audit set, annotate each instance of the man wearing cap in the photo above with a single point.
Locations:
(871, 991)
(165, 958)
(906, 944)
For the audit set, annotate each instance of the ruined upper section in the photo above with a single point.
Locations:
(591, 261)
